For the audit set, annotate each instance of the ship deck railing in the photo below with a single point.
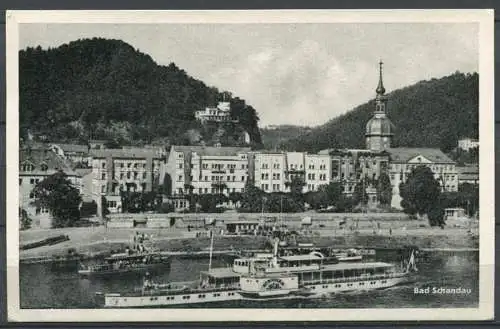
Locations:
(356, 278)
(175, 290)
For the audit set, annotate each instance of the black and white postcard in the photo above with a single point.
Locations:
(250, 165)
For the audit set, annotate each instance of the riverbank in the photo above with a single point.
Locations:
(95, 241)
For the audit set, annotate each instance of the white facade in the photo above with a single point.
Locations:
(115, 170)
(274, 170)
(270, 172)
(207, 170)
(445, 172)
(219, 174)
(220, 113)
(468, 143)
(317, 171)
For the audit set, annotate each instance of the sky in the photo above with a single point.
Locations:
(301, 74)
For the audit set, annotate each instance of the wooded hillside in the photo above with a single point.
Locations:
(434, 113)
(105, 89)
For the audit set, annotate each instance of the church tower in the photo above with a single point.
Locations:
(379, 130)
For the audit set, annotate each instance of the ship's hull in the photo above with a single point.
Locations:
(117, 301)
(141, 269)
(307, 291)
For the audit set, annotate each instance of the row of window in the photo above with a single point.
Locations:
(276, 176)
(409, 167)
(115, 188)
(129, 175)
(219, 166)
(31, 167)
(33, 181)
(129, 165)
(275, 166)
(180, 178)
(207, 190)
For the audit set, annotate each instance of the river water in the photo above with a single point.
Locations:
(42, 286)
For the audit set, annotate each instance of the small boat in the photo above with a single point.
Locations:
(138, 260)
(139, 263)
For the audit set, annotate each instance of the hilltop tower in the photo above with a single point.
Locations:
(379, 129)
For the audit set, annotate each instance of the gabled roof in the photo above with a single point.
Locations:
(211, 150)
(405, 154)
(39, 156)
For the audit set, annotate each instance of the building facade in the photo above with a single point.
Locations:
(269, 171)
(468, 143)
(219, 113)
(34, 166)
(468, 174)
(115, 170)
(275, 170)
(207, 170)
(404, 160)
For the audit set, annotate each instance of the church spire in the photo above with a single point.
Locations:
(380, 88)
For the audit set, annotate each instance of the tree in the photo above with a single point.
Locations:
(88, 209)
(167, 185)
(384, 189)
(165, 208)
(209, 202)
(317, 199)
(359, 195)
(421, 192)
(436, 216)
(344, 204)
(470, 197)
(60, 197)
(235, 197)
(104, 207)
(334, 192)
(252, 199)
(24, 220)
(296, 185)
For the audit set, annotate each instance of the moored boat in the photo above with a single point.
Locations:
(138, 260)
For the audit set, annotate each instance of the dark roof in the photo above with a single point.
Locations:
(125, 153)
(37, 157)
(351, 151)
(77, 148)
(211, 150)
(404, 154)
(379, 126)
(83, 171)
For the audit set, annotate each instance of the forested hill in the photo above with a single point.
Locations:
(433, 113)
(274, 136)
(105, 89)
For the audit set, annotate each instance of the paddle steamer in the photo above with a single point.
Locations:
(261, 277)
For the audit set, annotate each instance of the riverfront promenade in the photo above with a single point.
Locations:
(378, 233)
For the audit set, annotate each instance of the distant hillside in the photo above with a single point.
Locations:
(274, 136)
(433, 113)
(105, 89)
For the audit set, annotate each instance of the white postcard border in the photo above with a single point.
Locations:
(487, 166)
